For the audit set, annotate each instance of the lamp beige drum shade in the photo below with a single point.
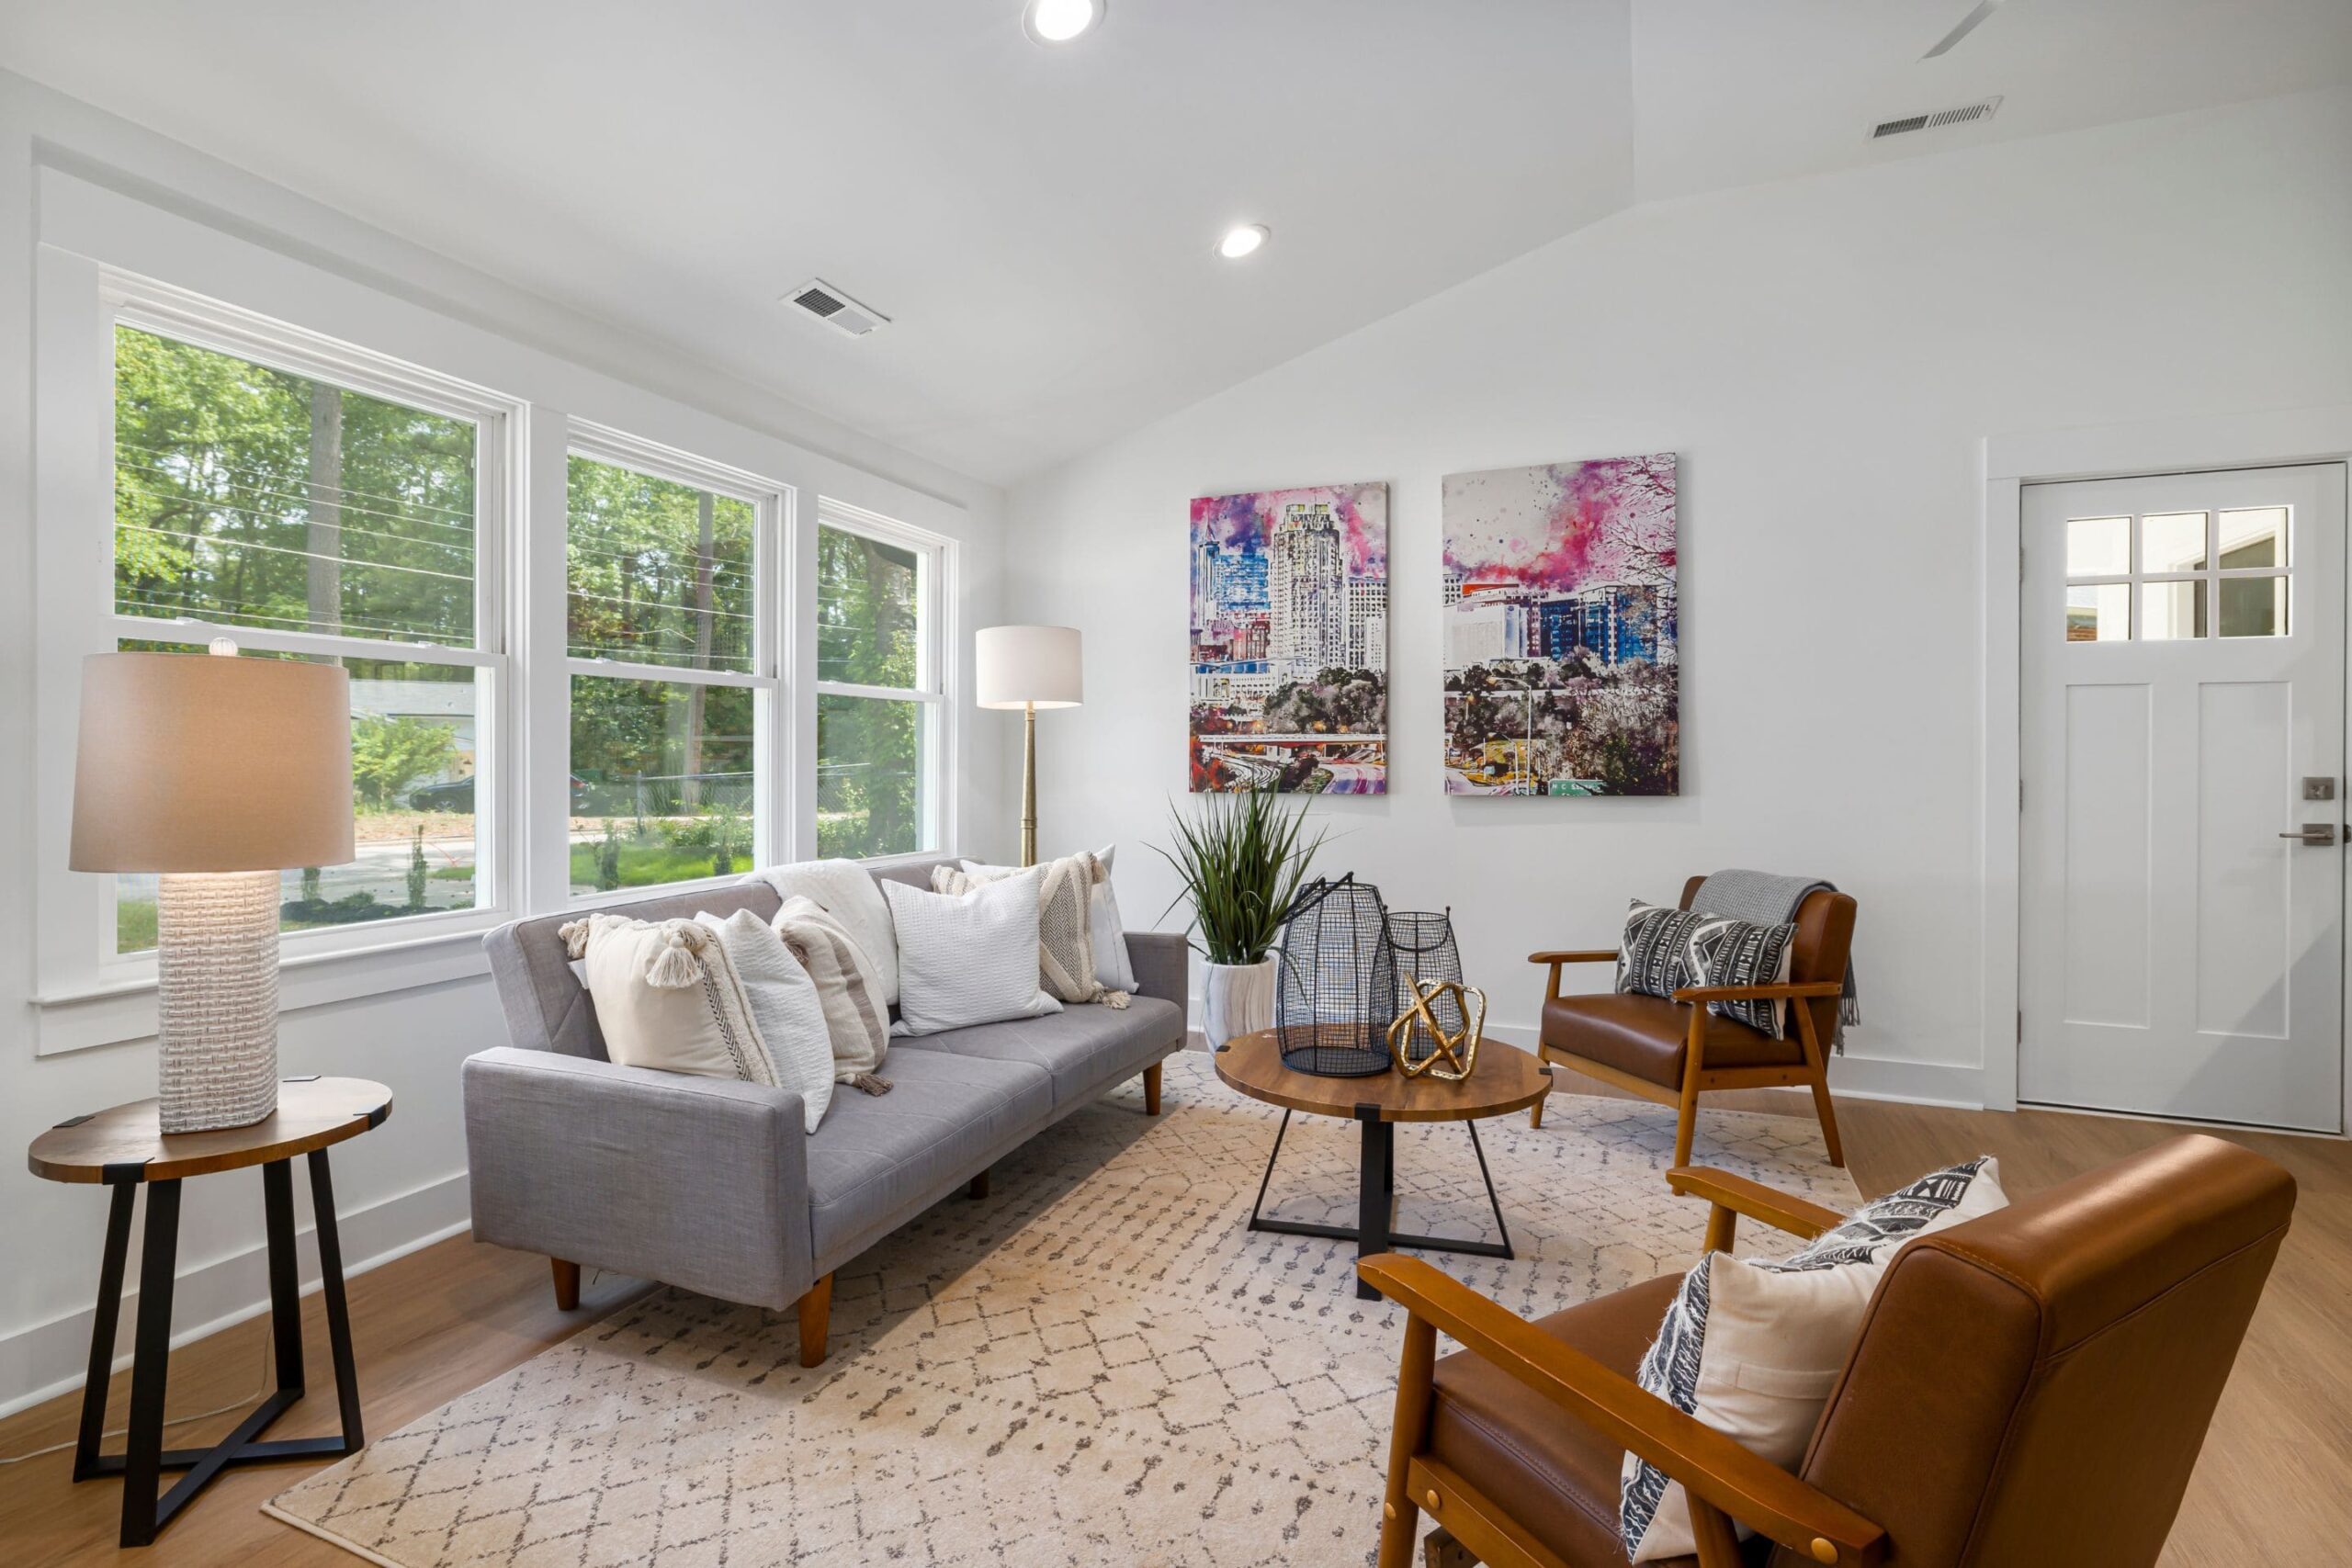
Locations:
(1027, 666)
(199, 762)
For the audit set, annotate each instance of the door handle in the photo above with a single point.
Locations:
(2314, 834)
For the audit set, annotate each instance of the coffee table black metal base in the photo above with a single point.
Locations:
(144, 1458)
(1376, 1201)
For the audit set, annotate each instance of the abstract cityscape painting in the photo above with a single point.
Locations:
(1290, 641)
(1560, 620)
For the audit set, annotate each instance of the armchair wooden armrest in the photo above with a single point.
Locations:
(1785, 992)
(1723, 1478)
(1734, 1195)
(1569, 955)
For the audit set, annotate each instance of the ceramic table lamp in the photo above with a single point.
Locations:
(1028, 667)
(217, 773)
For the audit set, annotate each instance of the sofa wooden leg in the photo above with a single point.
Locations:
(980, 1187)
(816, 1312)
(1416, 1391)
(1151, 1089)
(567, 1285)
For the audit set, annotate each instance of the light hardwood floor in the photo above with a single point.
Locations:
(2271, 1488)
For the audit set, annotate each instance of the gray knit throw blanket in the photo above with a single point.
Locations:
(1768, 900)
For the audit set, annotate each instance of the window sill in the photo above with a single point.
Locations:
(111, 1013)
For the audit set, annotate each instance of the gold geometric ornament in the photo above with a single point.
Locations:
(1457, 1051)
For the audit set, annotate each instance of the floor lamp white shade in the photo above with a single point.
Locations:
(1028, 667)
(217, 773)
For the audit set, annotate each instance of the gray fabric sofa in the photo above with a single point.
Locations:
(713, 1185)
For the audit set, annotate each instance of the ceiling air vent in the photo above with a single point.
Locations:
(835, 309)
(1935, 121)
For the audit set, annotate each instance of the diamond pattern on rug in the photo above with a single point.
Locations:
(1098, 1363)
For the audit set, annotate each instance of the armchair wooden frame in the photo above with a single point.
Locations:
(1812, 1073)
(1725, 1482)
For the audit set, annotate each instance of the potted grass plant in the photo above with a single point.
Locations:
(1241, 861)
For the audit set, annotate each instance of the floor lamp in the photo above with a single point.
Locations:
(218, 772)
(1028, 667)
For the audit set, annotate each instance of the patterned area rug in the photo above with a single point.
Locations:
(1098, 1363)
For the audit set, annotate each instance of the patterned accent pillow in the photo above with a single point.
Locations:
(668, 997)
(1752, 1346)
(1066, 960)
(1719, 951)
(1650, 956)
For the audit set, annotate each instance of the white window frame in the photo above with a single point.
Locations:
(936, 675)
(83, 303)
(771, 504)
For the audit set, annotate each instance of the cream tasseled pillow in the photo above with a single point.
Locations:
(668, 998)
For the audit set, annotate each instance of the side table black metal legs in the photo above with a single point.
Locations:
(1376, 1199)
(144, 1458)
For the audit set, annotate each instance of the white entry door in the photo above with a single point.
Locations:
(2182, 863)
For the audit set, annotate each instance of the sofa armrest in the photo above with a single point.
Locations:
(694, 1181)
(1163, 962)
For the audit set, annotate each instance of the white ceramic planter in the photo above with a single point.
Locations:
(1236, 998)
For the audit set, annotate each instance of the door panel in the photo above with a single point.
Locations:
(2182, 674)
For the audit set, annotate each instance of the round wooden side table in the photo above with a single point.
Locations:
(1507, 1079)
(122, 1149)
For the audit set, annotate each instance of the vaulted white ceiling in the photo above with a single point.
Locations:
(1040, 222)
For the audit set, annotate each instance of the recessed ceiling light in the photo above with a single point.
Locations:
(1058, 21)
(1241, 240)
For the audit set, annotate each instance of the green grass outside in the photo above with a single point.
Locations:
(649, 865)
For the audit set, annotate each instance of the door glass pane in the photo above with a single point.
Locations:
(869, 768)
(2098, 613)
(655, 572)
(2173, 541)
(2255, 537)
(2171, 610)
(413, 753)
(866, 610)
(257, 498)
(662, 785)
(2098, 547)
(2253, 606)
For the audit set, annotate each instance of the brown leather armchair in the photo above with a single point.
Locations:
(1671, 1051)
(2029, 1387)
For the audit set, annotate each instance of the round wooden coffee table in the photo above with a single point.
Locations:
(1507, 1079)
(122, 1148)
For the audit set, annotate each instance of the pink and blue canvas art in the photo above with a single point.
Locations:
(1290, 641)
(1560, 630)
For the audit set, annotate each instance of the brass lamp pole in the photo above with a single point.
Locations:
(1028, 667)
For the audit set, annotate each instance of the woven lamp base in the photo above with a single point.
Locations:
(216, 1000)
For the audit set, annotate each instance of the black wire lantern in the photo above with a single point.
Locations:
(1426, 951)
(1335, 990)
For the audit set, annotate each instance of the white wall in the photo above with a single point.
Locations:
(1827, 356)
(263, 248)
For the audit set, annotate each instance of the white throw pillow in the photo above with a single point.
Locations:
(856, 1025)
(852, 895)
(1065, 962)
(970, 958)
(1752, 1346)
(668, 998)
(1112, 966)
(785, 1008)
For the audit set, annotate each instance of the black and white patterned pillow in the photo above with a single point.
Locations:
(1650, 959)
(1752, 1346)
(1719, 951)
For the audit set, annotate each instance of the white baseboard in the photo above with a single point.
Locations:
(45, 1359)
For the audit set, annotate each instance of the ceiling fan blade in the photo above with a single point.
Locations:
(1968, 25)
